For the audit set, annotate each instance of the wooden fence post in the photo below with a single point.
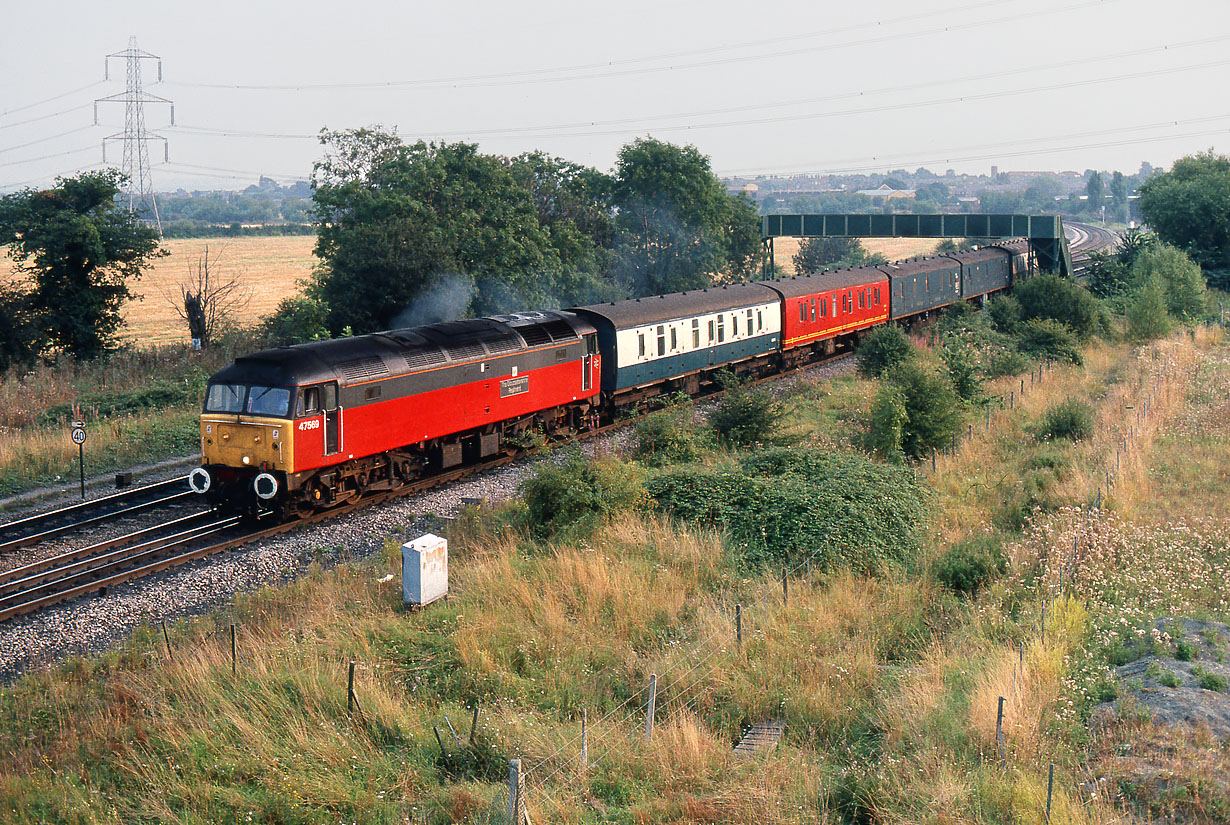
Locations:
(584, 738)
(999, 730)
(517, 815)
(474, 723)
(739, 626)
(785, 588)
(167, 638)
(1050, 786)
(651, 705)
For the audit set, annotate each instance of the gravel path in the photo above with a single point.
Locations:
(96, 623)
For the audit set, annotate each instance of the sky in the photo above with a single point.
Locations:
(783, 88)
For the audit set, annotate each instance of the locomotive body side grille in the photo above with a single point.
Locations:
(359, 369)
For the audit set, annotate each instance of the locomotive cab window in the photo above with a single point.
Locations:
(330, 397)
(225, 398)
(268, 401)
(309, 402)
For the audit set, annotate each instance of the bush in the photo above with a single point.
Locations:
(962, 370)
(1185, 651)
(1147, 316)
(1180, 277)
(296, 320)
(579, 493)
(884, 347)
(1069, 419)
(888, 420)
(745, 415)
(1044, 338)
(1051, 297)
(968, 566)
(782, 504)
(1006, 361)
(1005, 313)
(933, 413)
(667, 436)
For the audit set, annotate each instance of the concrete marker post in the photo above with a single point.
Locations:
(651, 706)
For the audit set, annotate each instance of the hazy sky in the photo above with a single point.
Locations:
(795, 87)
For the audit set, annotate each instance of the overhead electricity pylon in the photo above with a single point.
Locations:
(140, 187)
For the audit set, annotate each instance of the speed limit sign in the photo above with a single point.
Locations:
(78, 435)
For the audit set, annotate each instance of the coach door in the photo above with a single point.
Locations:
(333, 421)
(587, 363)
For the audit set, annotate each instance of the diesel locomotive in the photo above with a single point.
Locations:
(301, 428)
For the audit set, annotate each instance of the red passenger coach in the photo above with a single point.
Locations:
(819, 310)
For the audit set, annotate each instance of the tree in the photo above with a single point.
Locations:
(403, 226)
(884, 348)
(20, 339)
(1095, 188)
(677, 227)
(1147, 315)
(1119, 196)
(209, 300)
(297, 319)
(1189, 207)
(1179, 277)
(819, 254)
(80, 250)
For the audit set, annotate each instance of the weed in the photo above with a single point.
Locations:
(1185, 651)
(970, 565)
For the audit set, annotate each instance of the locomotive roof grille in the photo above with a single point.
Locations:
(359, 369)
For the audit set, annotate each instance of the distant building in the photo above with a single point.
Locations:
(886, 192)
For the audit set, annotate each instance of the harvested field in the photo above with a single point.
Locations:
(269, 268)
(895, 249)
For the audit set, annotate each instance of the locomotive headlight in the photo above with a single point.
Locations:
(200, 480)
(247, 460)
(265, 485)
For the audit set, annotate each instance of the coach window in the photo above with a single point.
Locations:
(862, 299)
(813, 309)
(640, 345)
(877, 296)
(309, 401)
(674, 339)
(759, 320)
(712, 326)
(661, 340)
(695, 333)
(721, 325)
(734, 325)
(802, 311)
(750, 328)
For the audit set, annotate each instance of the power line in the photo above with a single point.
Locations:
(882, 160)
(47, 157)
(569, 130)
(45, 139)
(45, 100)
(78, 170)
(530, 76)
(993, 156)
(44, 117)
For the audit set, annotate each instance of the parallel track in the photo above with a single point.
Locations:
(31, 530)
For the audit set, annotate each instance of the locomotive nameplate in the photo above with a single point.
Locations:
(514, 386)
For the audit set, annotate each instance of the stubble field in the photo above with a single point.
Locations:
(269, 269)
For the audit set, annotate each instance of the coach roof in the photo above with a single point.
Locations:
(659, 308)
(801, 285)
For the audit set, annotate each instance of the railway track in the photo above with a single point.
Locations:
(1086, 238)
(31, 530)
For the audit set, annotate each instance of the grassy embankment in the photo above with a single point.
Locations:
(888, 683)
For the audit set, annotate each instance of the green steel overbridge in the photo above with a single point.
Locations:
(1047, 243)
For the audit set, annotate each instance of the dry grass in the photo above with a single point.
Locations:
(269, 269)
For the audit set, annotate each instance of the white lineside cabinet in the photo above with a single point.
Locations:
(424, 570)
